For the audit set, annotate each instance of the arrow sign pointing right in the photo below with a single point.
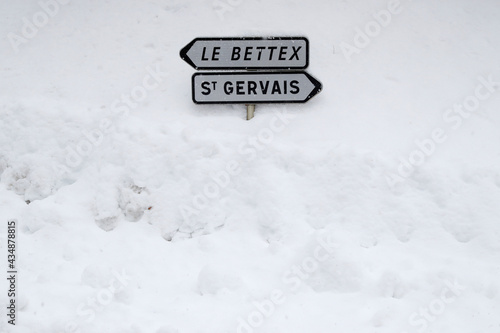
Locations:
(252, 88)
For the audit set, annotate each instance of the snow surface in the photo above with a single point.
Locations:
(315, 220)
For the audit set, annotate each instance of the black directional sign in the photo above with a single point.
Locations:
(252, 88)
(247, 53)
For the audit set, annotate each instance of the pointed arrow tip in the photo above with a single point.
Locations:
(184, 53)
(317, 86)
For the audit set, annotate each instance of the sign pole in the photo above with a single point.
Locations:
(250, 111)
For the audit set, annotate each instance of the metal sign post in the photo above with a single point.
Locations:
(250, 111)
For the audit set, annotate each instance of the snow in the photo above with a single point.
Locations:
(372, 208)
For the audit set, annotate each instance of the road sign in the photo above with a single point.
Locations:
(247, 53)
(252, 88)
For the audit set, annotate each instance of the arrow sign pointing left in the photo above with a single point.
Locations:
(252, 88)
(247, 53)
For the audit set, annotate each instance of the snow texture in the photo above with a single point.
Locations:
(375, 207)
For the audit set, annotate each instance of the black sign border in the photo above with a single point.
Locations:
(185, 49)
(317, 86)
